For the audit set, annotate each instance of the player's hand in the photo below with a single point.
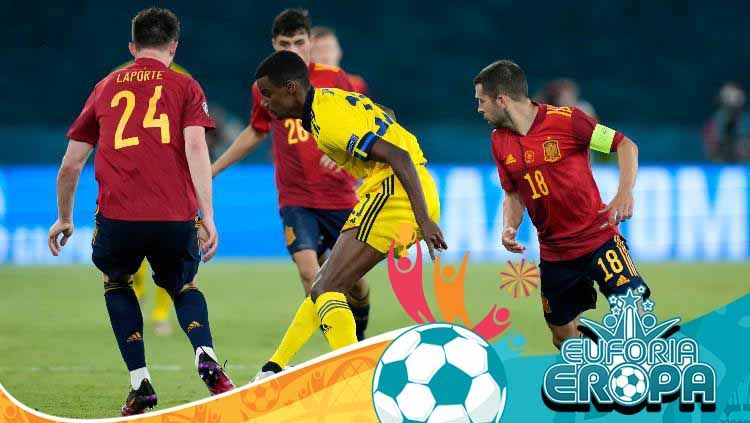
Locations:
(433, 237)
(620, 209)
(208, 238)
(64, 228)
(509, 241)
(329, 164)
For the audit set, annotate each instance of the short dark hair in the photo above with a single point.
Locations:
(291, 21)
(503, 77)
(321, 32)
(282, 67)
(155, 27)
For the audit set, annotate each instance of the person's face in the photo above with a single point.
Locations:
(279, 100)
(493, 109)
(326, 51)
(568, 97)
(732, 97)
(299, 43)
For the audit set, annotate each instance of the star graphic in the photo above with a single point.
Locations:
(648, 305)
(616, 310)
(630, 299)
(613, 300)
(640, 290)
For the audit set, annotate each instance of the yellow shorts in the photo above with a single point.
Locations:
(384, 213)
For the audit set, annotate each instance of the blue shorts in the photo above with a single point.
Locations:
(171, 249)
(568, 286)
(312, 229)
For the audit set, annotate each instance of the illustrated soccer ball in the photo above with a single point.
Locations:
(628, 384)
(442, 373)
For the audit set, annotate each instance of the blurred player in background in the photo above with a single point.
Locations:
(148, 124)
(542, 156)
(396, 189)
(727, 132)
(315, 195)
(326, 50)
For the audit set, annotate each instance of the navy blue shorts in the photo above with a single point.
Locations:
(171, 249)
(568, 286)
(312, 229)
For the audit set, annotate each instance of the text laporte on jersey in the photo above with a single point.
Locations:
(140, 76)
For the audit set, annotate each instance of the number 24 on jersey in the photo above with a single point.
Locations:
(149, 120)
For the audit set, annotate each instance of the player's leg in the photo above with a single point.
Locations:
(162, 301)
(116, 254)
(358, 297)
(139, 281)
(160, 313)
(364, 241)
(566, 293)
(174, 260)
(615, 272)
(302, 234)
(349, 261)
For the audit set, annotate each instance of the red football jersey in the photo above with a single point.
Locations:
(300, 179)
(136, 117)
(551, 170)
(359, 85)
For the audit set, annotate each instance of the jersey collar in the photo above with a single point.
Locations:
(540, 113)
(149, 61)
(307, 110)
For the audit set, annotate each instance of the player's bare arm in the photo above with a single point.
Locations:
(403, 168)
(199, 163)
(67, 182)
(247, 141)
(512, 216)
(621, 207)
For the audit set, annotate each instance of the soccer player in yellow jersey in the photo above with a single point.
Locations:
(396, 189)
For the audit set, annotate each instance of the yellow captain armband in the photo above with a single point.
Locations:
(602, 138)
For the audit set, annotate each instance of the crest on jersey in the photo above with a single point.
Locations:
(551, 151)
(205, 108)
(528, 156)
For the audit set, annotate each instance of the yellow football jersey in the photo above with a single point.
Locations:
(345, 125)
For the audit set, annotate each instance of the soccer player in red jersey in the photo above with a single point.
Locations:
(542, 155)
(327, 51)
(315, 196)
(148, 124)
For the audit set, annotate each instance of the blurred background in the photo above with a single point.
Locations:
(671, 75)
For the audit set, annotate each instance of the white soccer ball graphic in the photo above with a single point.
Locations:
(439, 373)
(628, 384)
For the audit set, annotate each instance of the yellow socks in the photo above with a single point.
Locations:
(162, 305)
(139, 280)
(303, 326)
(336, 319)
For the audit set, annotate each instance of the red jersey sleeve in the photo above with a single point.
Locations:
(260, 119)
(588, 132)
(196, 108)
(505, 180)
(86, 127)
(342, 81)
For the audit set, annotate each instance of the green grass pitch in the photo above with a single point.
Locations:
(59, 355)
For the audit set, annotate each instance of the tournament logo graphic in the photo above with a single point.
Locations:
(628, 362)
(406, 280)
